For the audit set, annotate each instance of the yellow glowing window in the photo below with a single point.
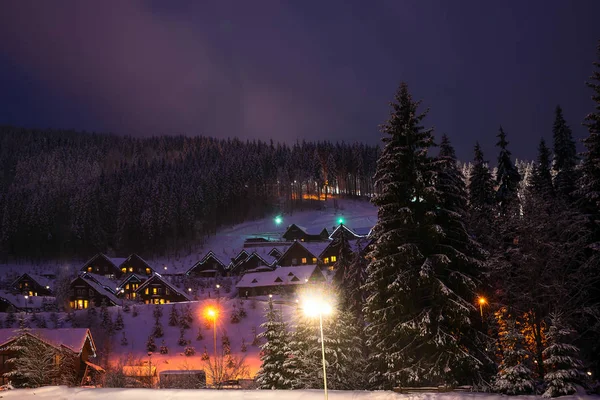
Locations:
(162, 301)
(154, 291)
(147, 292)
(133, 295)
(333, 258)
(90, 269)
(148, 271)
(168, 301)
(304, 260)
(26, 284)
(127, 286)
(314, 260)
(326, 260)
(130, 269)
(123, 270)
(30, 293)
(331, 268)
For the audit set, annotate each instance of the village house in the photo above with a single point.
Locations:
(135, 264)
(302, 254)
(295, 232)
(91, 290)
(128, 287)
(33, 285)
(208, 266)
(157, 290)
(251, 262)
(284, 280)
(26, 303)
(75, 343)
(100, 264)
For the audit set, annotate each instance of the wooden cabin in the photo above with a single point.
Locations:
(279, 281)
(243, 255)
(157, 290)
(33, 285)
(135, 264)
(91, 290)
(100, 264)
(75, 343)
(253, 261)
(208, 266)
(302, 254)
(275, 253)
(348, 233)
(294, 232)
(127, 289)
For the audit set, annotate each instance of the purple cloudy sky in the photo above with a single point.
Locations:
(292, 70)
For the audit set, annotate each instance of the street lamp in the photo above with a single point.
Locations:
(150, 366)
(313, 307)
(482, 301)
(278, 220)
(213, 313)
(26, 298)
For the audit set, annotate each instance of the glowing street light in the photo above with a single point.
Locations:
(278, 220)
(213, 313)
(482, 301)
(313, 307)
(340, 220)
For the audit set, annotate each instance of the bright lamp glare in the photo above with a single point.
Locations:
(314, 307)
(340, 221)
(278, 220)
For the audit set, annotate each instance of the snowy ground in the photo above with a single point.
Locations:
(63, 393)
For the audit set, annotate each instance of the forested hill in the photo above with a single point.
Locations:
(64, 193)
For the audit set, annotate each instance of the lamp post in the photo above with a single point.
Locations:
(482, 301)
(318, 307)
(150, 366)
(26, 299)
(212, 313)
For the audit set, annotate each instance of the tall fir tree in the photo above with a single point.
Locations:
(541, 178)
(507, 178)
(481, 198)
(561, 359)
(353, 298)
(565, 156)
(514, 375)
(272, 374)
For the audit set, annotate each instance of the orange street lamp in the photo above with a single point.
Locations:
(314, 307)
(482, 301)
(213, 313)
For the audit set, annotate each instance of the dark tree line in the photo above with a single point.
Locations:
(65, 193)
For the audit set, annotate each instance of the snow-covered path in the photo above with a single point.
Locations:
(64, 393)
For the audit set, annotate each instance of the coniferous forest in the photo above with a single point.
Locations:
(72, 193)
(490, 279)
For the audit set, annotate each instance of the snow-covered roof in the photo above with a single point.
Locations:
(41, 280)
(103, 289)
(128, 278)
(157, 276)
(297, 275)
(108, 283)
(33, 302)
(72, 338)
(117, 261)
(315, 248)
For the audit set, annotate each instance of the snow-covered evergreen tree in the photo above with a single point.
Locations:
(150, 344)
(157, 330)
(124, 341)
(157, 312)
(541, 178)
(353, 295)
(272, 374)
(174, 316)
(565, 156)
(561, 360)
(163, 348)
(182, 341)
(507, 178)
(119, 324)
(303, 359)
(33, 361)
(514, 375)
(481, 198)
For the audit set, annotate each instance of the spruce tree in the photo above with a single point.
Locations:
(563, 367)
(174, 316)
(124, 341)
(119, 324)
(353, 297)
(541, 178)
(507, 178)
(272, 374)
(163, 348)
(344, 257)
(481, 198)
(150, 345)
(157, 330)
(514, 375)
(406, 297)
(565, 156)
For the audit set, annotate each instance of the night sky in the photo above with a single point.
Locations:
(293, 70)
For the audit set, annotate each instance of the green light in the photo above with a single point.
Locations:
(278, 220)
(340, 221)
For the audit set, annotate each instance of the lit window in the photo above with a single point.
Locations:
(127, 286)
(123, 270)
(331, 268)
(167, 291)
(304, 260)
(162, 301)
(326, 260)
(168, 301)
(26, 284)
(133, 295)
(333, 258)
(154, 290)
(90, 269)
(147, 271)
(147, 292)
(30, 293)
(314, 260)
(130, 269)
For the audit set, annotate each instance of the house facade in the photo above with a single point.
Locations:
(156, 290)
(284, 280)
(135, 264)
(208, 266)
(294, 232)
(33, 285)
(100, 264)
(88, 290)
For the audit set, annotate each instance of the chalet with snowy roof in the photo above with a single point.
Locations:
(279, 281)
(302, 254)
(91, 290)
(76, 343)
(348, 233)
(208, 266)
(253, 261)
(24, 302)
(135, 264)
(242, 255)
(157, 290)
(128, 286)
(100, 264)
(295, 232)
(33, 285)
(275, 253)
